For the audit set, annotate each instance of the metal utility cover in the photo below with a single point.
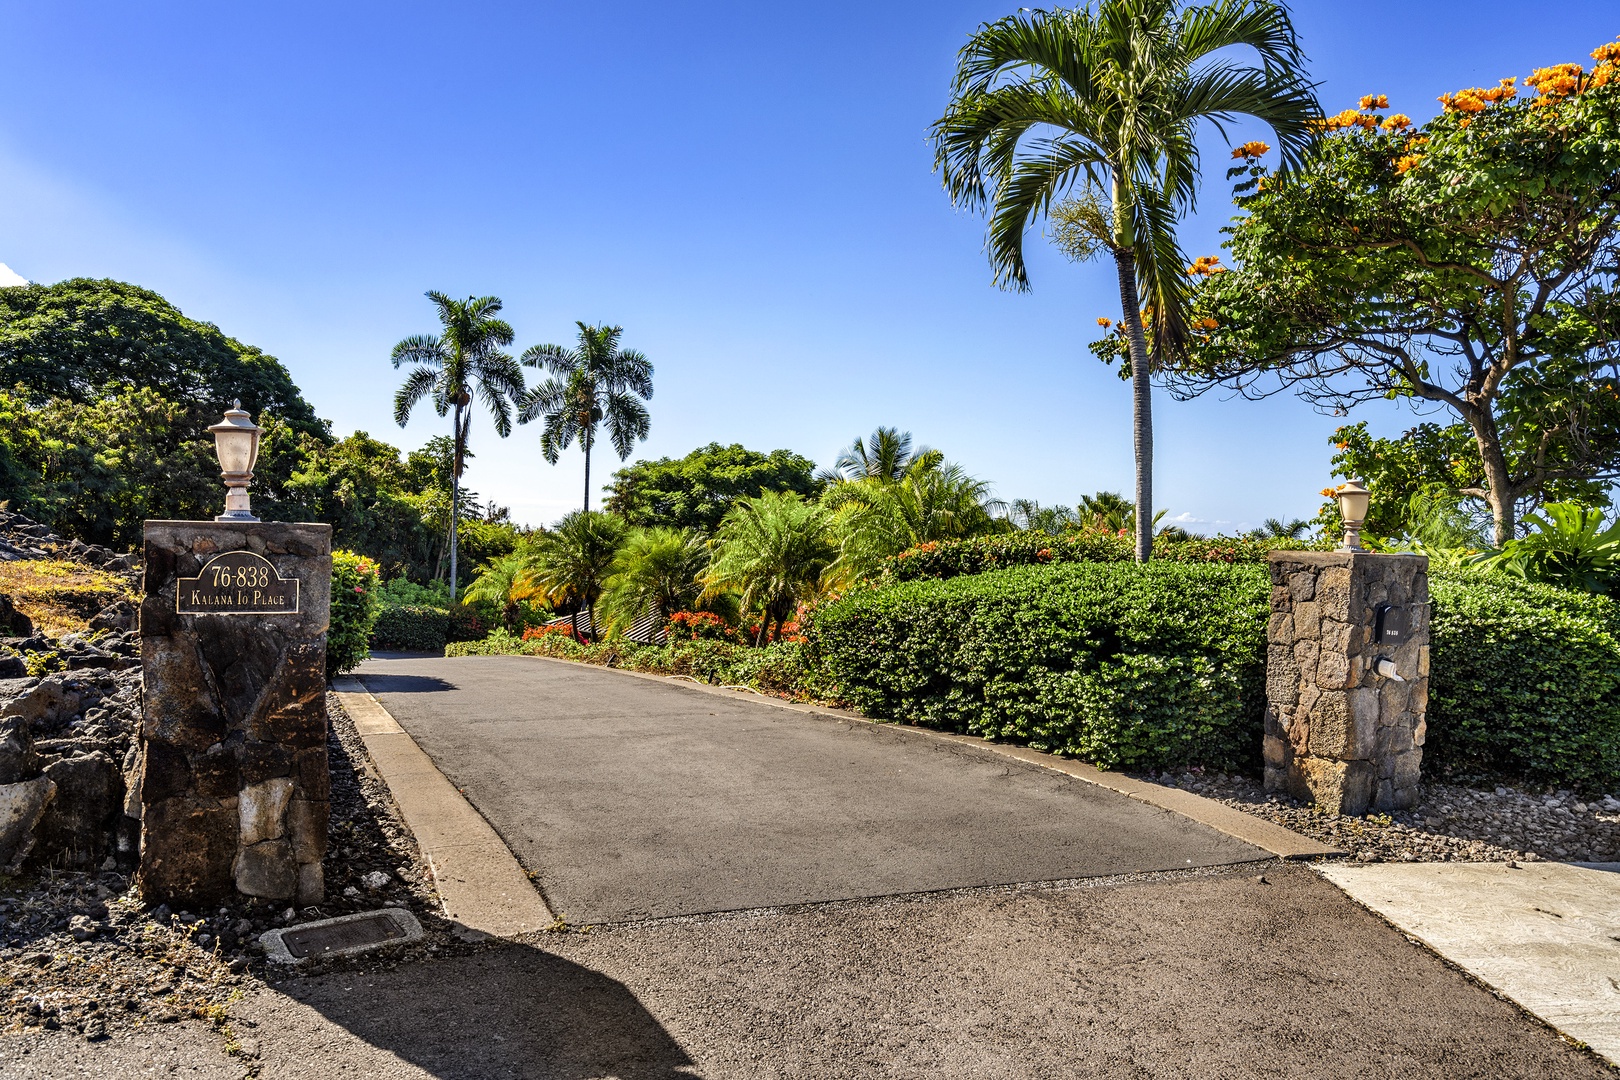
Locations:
(341, 936)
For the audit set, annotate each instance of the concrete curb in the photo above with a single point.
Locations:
(1284, 843)
(481, 884)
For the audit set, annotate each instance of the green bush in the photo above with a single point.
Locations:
(411, 627)
(1524, 682)
(355, 583)
(981, 554)
(469, 622)
(1124, 665)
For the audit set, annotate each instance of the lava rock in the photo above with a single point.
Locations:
(18, 761)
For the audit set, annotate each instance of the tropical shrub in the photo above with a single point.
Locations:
(701, 626)
(1123, 665)
(465, 622)
(411, 628)
(355, 582)
(1524, 682)
(1569, 545)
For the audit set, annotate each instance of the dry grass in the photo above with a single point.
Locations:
(61, 597)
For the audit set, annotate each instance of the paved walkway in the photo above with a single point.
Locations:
(634, 798)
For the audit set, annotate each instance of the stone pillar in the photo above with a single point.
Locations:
(234, 786)
(1340, 731)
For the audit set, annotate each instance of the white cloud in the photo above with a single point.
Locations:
(10, 277)
(1187, 518)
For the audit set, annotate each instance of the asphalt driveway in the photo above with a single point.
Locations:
(635, 798)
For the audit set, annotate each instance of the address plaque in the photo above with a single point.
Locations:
(237, 583)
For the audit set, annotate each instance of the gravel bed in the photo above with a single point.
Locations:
(80, 952)
(1454, 823)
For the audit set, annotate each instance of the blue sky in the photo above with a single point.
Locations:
(746, 188)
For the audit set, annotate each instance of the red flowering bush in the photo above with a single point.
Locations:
(701, 626)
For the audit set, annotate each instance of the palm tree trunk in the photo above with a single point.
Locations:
(1141, 402)
(586, 442)
(455, 499)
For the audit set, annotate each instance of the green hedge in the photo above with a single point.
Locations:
(982, 554)
(411, 627)
(1122, 665)
(1524, 683)
(355, 583)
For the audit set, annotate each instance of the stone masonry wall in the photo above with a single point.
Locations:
(234, 788)
(1337, 732)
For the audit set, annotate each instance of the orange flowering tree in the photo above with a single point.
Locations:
(1467, 264)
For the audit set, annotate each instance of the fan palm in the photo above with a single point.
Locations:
(773, 550)
(1109, 96)
(570, 563)
(463, 362)
(656, 568)
(595, 382)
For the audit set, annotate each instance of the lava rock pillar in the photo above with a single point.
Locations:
(1347, 678)
(234, 788)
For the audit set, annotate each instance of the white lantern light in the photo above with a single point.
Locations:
(1354, 500)
(236, 444)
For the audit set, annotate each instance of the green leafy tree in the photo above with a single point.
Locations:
(1110, 96)
(84, 340)
(772, 550)
(594, 383)
(1468, 263)
(450, 369)
(696, 491)
(571, 563)
(657, 569)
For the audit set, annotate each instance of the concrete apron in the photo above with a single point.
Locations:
(480, 883)
(1546, 935)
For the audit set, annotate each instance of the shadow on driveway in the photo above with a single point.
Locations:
(407, 684)
(506, 1011)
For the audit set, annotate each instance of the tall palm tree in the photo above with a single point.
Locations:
(885, 455)
(593, 383)
(1110, 96)
(570, 564)
(773, 549)
(463, 362)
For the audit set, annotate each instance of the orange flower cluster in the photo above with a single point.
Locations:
(1347, 119)
(1251, 150)
(1206, 265)
(1398, 122)
(1206, 324)
(1104, 323)
(1558, 81)
(1474, 99)
(1375, 101)
(1406, 164)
